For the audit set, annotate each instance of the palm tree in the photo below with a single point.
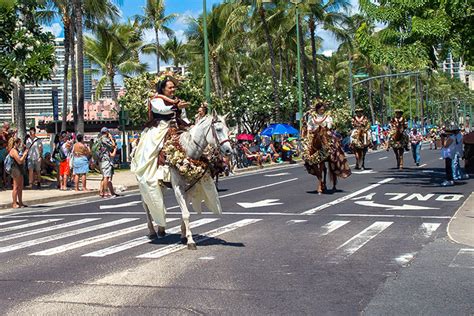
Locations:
(155, 18)
(175, 50)
(114, 49)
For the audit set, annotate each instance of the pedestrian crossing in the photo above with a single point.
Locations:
(92, 240)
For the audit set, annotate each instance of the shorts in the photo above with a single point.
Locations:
(35, 165)
(106, 168)
(64, 169)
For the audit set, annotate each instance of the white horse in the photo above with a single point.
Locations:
(211, 130)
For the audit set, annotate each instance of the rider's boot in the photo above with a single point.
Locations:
(161, 231)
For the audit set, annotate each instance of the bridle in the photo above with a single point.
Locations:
(212, 129)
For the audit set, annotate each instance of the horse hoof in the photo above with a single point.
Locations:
(152, 236)
(192, 246)
(184, 240)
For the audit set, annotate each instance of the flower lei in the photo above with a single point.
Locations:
(191, 169)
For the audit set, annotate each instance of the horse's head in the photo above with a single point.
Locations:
(218, 134)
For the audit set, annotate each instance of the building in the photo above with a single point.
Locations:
(457, 69)
(39, 98)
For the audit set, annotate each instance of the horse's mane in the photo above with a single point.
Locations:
(186, 137)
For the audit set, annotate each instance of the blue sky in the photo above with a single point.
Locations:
(186, 9)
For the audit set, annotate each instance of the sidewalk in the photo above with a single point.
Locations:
(123, 180)
(461, 226)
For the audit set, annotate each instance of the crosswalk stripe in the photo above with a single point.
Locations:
(7, 229)
(38, 241)
(332, 226)
(201, 238)
(47, 229)
(91, 240)
(356, 242)
(12, 222)
(142, 240)
(429, 228)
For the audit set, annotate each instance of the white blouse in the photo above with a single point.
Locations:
(158, 106)
(319, 120)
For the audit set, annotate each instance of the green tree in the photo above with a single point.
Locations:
(155, 18)
(26, 54)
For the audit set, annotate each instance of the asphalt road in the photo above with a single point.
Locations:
(376, 246)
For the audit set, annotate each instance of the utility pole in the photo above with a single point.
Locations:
(351, 88)
(206, 53)
(300, 98)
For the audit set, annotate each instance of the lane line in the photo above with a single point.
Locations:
(91, 240)
(47, 229)
(12, 222)
(7, 229)
(258, 188)
(428, 229)
(347, 197)
(423, 165)
(382, 158)
(392, 215)
(358, 241)
(332, 226)
(133, 203)
(143, 240)
(199, 239)
(38, 241)
(277, 174)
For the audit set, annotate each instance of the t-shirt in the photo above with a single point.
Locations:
(35, 145)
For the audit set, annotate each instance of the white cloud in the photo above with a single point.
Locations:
(328, 52)
(56, 29)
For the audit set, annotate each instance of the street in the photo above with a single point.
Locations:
(378, 245)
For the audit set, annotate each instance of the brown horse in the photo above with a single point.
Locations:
(396, 142)
(319, 148)
(360, 144)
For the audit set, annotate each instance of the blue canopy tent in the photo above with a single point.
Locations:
(279, 129)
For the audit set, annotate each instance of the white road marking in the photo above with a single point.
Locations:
(404, 259)
(347, 197)
(277, 174)
(332, 226)
(206, 258)
(47, 229)
(423, 165)
(262, 203)
(7, 229)
(142, 240)
(463, 259)
(364, 172)
(133, 203)
(12, 222)
(358, 241)
(428, 229)
(200, 238)
(91, 240)
(38, 241)
(258, 188)
(382, 158)
(296, 221)
(393, 215)
(404, 207)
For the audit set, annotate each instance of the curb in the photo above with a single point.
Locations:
(470, 241)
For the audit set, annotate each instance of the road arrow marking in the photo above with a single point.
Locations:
(263, 203)
(277, 174)
(404, 207)
(365, 197)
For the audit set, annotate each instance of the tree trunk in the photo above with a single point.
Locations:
(371, 105)
(80, 68)
(312, 27)
(73, 72)
(237, 77)
(20, 111)
(215, 75)
(422, 115)
(268, 37)
(157, 51)
(287, 62)
(67, 31)
(280, 61)
(305, 68)
(112, 88)
(382, 100)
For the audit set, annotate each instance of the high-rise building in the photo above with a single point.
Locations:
(39, 97)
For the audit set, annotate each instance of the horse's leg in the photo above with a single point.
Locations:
(364, 152)
(325, 172)
(151, 230)
(400, 154)
(179, 187)
(217, 182)
(395, 151)
(357, 157)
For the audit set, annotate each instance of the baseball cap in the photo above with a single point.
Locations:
(104, 130)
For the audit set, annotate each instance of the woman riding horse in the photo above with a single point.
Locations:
(398, 138)
(321, 146)
(360, 138)
(165, 112)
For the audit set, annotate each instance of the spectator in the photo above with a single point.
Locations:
(107, 152)
(3, 155)
(47, 166)
(415, 140)
(18, 152)
(61, 154)
(458, 154)
(80, 154)
(202, 112)
(35, 153)
(287, 151)
(447, 141)
(273, 151)
(252, 156)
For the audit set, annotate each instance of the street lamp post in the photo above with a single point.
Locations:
(300, 97)
(206, 53)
